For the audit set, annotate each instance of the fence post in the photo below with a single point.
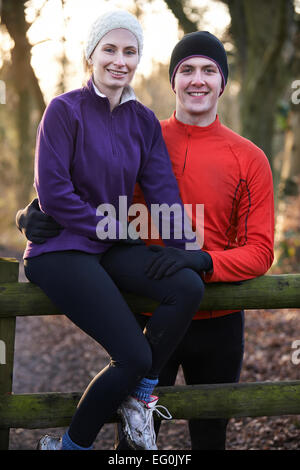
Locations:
(9, 272)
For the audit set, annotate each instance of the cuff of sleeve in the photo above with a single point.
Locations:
(210, 274)
(19, 215)
(207, 261)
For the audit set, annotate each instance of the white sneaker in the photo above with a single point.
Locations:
(49, 443)
(137, 422)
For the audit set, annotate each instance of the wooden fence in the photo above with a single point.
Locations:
(47, 410)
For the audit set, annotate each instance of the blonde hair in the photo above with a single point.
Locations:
(87, 68)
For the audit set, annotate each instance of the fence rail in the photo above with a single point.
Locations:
(48, 410)
(42, 410)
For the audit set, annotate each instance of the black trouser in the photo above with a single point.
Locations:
(86, 288)
(210, 352)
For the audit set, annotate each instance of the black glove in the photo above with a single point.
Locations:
(35, 225)
(170, 260)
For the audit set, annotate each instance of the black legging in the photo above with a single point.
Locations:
(210, 352)
(86, 288)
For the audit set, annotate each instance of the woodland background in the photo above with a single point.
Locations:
(261, 102)
(261, 99)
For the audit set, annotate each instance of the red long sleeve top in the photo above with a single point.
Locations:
(231, 176)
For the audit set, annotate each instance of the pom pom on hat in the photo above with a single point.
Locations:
(109, 21)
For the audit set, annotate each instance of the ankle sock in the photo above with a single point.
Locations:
(144, 389)
(68, 444)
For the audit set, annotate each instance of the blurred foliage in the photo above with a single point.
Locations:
(155, 91)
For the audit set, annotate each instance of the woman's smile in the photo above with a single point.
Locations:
(115, 60)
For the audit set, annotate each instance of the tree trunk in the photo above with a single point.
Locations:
(263, 36)
(27, 92)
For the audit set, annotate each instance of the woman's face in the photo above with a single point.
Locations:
(115, 60)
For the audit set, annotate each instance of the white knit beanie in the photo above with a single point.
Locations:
(109, 21)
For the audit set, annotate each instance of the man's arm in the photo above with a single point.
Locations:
(169, 259)
(254, 229)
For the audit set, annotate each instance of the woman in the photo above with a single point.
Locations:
(93, 145)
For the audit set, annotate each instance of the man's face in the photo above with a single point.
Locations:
(197, 85)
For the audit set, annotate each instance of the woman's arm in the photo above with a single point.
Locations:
(160, 189)
(53, 180)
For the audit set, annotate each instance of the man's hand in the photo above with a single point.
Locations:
(170, 260)
(35, 225)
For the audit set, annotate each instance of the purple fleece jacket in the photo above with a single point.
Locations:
(87, 155)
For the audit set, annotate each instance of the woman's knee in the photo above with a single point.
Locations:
(191, 287)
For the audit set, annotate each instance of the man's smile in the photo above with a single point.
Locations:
(197, 93)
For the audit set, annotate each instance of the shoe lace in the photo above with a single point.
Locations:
(149, 418)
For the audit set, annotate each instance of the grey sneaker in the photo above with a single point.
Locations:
(49, 443)
(137, 422)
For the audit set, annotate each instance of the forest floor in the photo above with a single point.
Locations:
(53, 355)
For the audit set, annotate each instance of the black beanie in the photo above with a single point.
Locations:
(199, 43)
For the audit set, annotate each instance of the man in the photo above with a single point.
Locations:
(232, 178)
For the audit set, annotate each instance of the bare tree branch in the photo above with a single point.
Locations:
(38, 12)
(177, 8)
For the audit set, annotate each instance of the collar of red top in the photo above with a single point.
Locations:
(192, 129)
